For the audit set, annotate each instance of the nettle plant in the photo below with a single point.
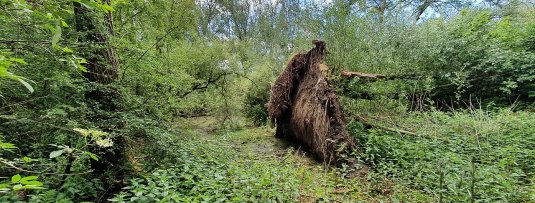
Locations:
(91, 138)
(17, 182)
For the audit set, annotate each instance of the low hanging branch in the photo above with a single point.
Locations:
(12, 41)
(202, 86)
(405, 76)
(41, 172)
(366, 122)
(350, 74)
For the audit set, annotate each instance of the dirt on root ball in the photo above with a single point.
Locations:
(305, 109)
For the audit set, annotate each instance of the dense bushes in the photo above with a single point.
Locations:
(485, 57)
(462, 157)
(479, 53)
(256, 104)
(479, 59)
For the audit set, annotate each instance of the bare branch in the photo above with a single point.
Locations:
(42, 172)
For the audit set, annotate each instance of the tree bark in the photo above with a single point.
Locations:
(102, 70)
(382, 10)
(102, 65)
(421, 9)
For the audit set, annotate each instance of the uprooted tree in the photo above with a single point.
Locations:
(305, 108)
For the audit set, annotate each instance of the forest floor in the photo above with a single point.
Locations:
(203, 163)
(454, 157)
(314, 181)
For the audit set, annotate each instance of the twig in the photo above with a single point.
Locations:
(366, 122)
(42, 172)
(349, 74)
(9, 41)
(152, 46)
(201, 86)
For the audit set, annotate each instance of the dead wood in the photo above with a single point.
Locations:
(350, 74)
(305, 108)
(370, 124)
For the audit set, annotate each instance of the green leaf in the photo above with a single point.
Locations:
(18, 60)
(55, 154)
(64, 24)
(28, 178)
(87, 4)
(50, 28)
(82, 68)
(28, 159)
(26, 84)
(4, 186)
(16, 178)
(49, 16)
(83, 132)
(106, 7)
(93, 156)
(67, 50)
(35, 183)
(5, 145)
(57, 35)
(82, 60)
(17, 187)
(77, 65)
(31, 187)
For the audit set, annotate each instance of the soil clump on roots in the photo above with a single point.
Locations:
(305, 109)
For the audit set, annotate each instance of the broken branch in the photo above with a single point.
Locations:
(368, 123)
(350, 74)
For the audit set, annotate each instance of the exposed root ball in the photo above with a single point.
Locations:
(305, 108)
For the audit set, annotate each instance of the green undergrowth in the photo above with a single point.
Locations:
(238, 166)
(249, 165)
(471, 156)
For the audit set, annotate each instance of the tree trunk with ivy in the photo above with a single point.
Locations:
(102, 98)
(102, 65)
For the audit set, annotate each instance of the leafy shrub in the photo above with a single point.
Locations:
(460, 157)
(255, 102)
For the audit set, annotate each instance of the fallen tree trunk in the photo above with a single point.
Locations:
(305, 108)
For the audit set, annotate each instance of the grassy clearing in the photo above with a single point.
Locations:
(247, 165)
